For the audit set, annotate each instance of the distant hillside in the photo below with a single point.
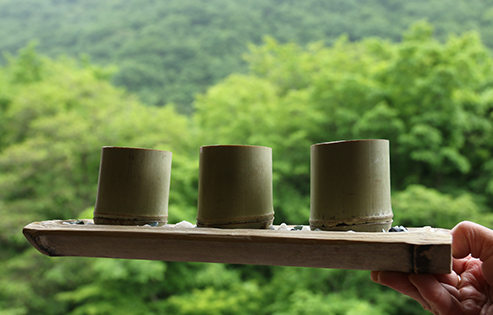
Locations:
(169, 50)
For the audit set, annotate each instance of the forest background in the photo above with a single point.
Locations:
(175, 75)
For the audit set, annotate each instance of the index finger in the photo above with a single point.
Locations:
(477, 240)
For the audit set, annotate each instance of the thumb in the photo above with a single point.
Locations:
(477, 240)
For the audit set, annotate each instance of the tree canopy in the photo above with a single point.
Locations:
(168, 51)
(431, 99)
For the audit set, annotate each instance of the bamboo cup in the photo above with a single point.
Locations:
(133, 187)
(235, 187)
(350, 186)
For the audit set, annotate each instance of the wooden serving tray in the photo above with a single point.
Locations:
(421, 250)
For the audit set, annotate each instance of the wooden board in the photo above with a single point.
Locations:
(421, 250)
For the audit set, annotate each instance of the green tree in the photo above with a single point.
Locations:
(431, 99)
(168, 51)
(57, 115)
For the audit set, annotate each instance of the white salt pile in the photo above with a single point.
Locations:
(283, 227)
(184, 225)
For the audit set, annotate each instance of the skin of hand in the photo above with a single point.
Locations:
(467, 290)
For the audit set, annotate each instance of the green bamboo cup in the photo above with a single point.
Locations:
(133, 186)
(350, 186)
(235, 187)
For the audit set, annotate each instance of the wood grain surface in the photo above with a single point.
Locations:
(421, 250)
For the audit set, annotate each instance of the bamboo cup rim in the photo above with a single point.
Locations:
(234, 146)
(133, 148)
(347, 141)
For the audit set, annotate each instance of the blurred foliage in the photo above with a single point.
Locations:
(418, 204)
(168, 51)
(431, 99)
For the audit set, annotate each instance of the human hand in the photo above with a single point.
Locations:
(467, 290)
